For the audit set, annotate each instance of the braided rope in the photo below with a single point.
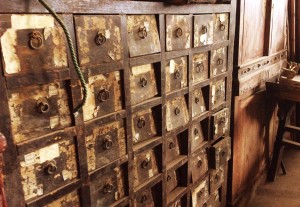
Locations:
(73, 54)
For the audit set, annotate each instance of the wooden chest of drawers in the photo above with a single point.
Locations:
(157, 78)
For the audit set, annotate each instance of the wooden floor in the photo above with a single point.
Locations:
(285, 191)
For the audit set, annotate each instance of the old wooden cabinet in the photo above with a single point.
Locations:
(156, 123)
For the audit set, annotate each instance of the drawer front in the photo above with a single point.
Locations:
(178, 32)
(172, 150)
(177, 113)
(176, 74)
(198, 104)
(221, 27)
(36, 36)
(200, 194)
(220, 153)
(218, 61)
(142, 83)
(99, 39)
(200, 67)
(216, 179)
(203, 30)
(45, 107)
(221, 123)
(105, 144)
(199, 164)
(71, 199)
(172, 181)
(218, 93)
(145, 166)
(106, 189)
(104, 95)
(143, 126)
(197, 136)
(144, 199)
(142, 35)
(48, 168)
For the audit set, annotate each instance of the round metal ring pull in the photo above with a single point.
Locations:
(36, 40)
(176, 74)
(220, 61)
(100, 39)
(51, 168)
(145, 164)
(179, 32)
(199, 67)
(143, 82)
(142, 32)
(144, 198)
(177, 111)
(196, 131)
(199, 163)
(108, 188)
(103, 95)
(42, 105)
(222, 27)
(169, 178)
(141, 122)
(217, 178)
(204, 29)
(197, 100)
(223, 153)
(222, 120)
(107, 143)
(171, 145)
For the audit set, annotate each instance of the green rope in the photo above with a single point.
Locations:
(73, 54)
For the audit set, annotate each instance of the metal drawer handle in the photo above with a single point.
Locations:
(223, 153)
(108, 188)
(42, 105)
(143, 82)
(204, 29)
(142, 32)
(178, 32)
(145, 164)
(222, 120)
(220, 61)
(176, 74)
(177, 111)
(36, 40)
(217, 178)
(197, 100)
(100, 39)
(199, 164)
(200, 67)
(141, 122)
(169, 178)
(107, 143)
(51, 168)
(171, 145)
(103, 95)
(196, 131)
(222, 27)
(144, 198)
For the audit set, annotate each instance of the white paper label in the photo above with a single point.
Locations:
(136, 137)
(172, 66)
(30, 159)
(49, 153)
(53, 90)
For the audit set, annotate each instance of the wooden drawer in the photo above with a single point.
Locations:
(176, 179)
(176, 145)
(45, 107)
(176, 113)
(142, 83)
(220, 122)
(36, 36)
(199, 134)
(218, 61)
(142, 35)
(71, 199)
(218, 93)
(144, 199)
(48, 168)
(99, 39)
(200, 194)
(198, 103)
(199, 164)
(172, 181)
(178, 32)
(176, 74)
(143, 126)
(105, 143)
(203, 30)
(200, 67)
(216, 179)
(145, 166)
(106, 188)
(104, 95)
(220, 153)
(221, 27)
